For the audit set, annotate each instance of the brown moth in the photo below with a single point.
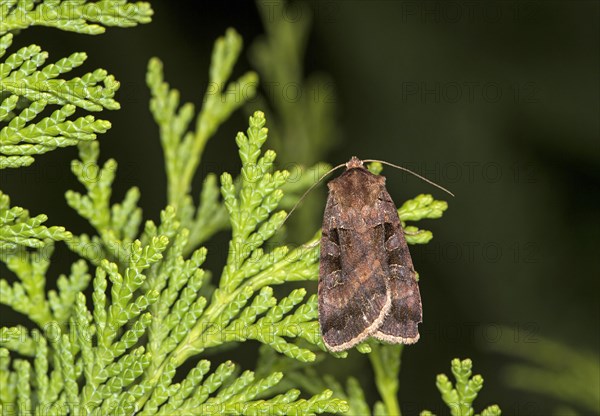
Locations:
(367, 283)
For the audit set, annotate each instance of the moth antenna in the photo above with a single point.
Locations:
(310, 189)
(411, 172)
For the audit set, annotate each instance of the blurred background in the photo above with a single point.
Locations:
(497, 101)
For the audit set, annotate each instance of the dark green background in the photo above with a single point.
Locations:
(497, 101)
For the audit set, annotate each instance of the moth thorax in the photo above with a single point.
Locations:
(356, 188)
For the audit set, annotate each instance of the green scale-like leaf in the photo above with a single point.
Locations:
(460, 397)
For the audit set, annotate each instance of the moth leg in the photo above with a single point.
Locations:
(410, 233)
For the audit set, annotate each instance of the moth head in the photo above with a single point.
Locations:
(358, 182)
(354, 162)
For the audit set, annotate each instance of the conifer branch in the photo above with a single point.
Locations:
(183, 148)
(88, 17)
(29, 88)
(459, 397)
(30, 85)
(117, 225)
